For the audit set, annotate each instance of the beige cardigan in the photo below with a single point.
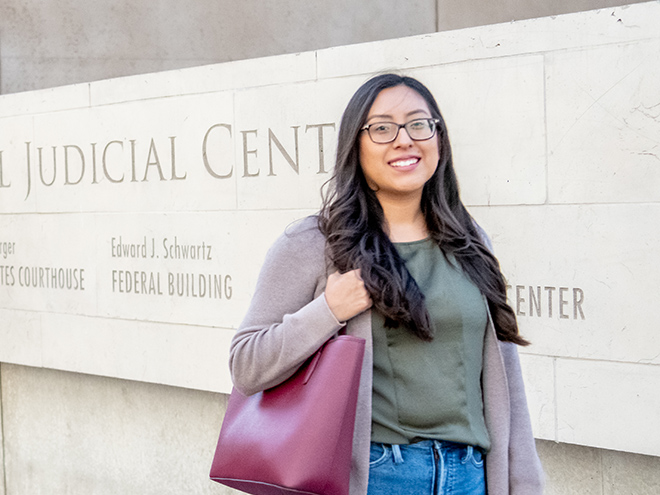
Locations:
(289, 319)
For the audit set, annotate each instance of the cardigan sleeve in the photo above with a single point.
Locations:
(288, 318)
(525, 470)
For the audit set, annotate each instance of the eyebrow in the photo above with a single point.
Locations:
(387, 116)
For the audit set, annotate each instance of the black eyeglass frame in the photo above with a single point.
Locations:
(433, 122)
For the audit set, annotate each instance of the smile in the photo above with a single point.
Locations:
(404, 163)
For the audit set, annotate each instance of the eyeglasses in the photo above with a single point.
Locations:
(386, 132)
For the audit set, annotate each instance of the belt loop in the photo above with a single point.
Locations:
(469, 453)
(396, 451)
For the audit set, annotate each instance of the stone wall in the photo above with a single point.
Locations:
(136, 213)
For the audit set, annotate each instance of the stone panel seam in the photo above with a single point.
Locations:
(545, 130)
(2, 431)
(591, 360)
(202, 60)
(602, 471)
(540, 52)
(554, 399)
(566, 205)
(234, 95)
(111, 318)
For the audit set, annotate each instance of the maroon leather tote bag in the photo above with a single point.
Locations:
(297, 437)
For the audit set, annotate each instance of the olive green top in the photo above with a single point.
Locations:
(432, 390)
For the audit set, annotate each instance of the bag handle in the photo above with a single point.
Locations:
(317, 355)
(312, 365)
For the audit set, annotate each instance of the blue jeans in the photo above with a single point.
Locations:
(428, 467)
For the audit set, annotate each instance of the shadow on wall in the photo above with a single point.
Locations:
(45, 44)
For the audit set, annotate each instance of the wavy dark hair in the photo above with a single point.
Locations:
(352, 220)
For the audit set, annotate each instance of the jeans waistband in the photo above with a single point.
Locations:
(439, 444)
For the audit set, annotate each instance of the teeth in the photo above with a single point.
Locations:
(404, 163)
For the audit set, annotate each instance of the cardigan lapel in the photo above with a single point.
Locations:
(497, 411)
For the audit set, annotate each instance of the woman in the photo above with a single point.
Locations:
(395, 257)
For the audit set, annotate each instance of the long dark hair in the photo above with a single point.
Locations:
(352, 220)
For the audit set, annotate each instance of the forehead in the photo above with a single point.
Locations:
(398, 101)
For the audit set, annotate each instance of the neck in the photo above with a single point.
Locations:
(404, 221)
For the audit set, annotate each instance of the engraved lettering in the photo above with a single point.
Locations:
(535, 300)
(41, 168)
(578, 299)
(173, 249)
(549, 290)
(562, 302)
(321, 147)
(199, 285)
(7, 277)
(558, 297)
(519, 300)
(246, 152)
(40, 277)
(136, 282)
(2, 182)
(153, 162)
(172, 158)
(133, 172)
(66, 164)
(273, 139)
(105, 162)
(28, 174)
(7, 248)
(205, 157)
(94, 180)
(121, 249)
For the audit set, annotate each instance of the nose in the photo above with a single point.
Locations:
(403, 138)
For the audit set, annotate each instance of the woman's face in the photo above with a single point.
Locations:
(398, 170)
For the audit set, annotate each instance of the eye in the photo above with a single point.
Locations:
(418, 125)
(381, 128)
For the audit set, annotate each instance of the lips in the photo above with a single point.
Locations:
(404, 162)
